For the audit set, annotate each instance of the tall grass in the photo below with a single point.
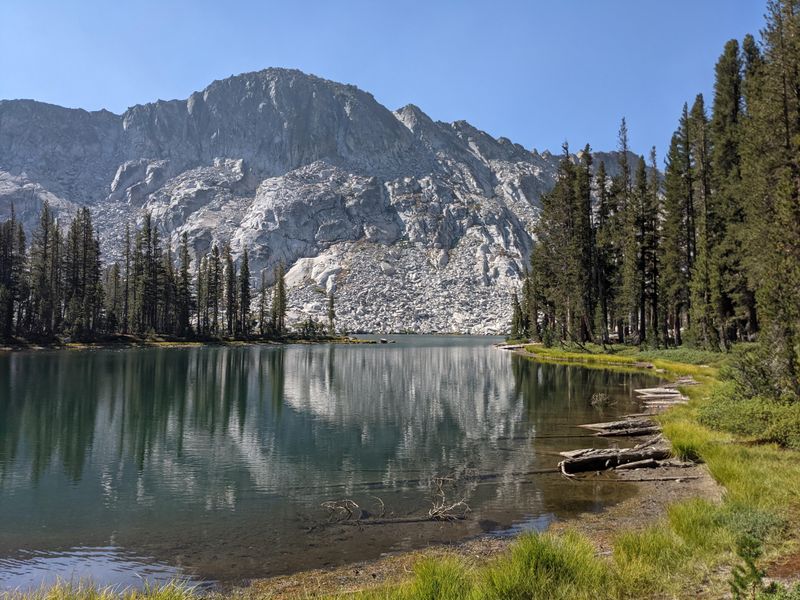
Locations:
(64, 590)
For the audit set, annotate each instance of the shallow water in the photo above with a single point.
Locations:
(211, 463)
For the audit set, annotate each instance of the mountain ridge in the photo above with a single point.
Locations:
(307, 171)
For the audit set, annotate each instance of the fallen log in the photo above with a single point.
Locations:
(656, 390)
(662, 403)
(677, 479)
(648, 463)
(632, 432)
(601, 459)
(622, 424)
(626, 427)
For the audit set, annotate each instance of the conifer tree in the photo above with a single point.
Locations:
(44, 257)
(279, 306)
(703, 311)
(126, 292)
(244, 295)
(650, 252)
(771, 179)
(675, 246)
(113, 297)
(214, 288)
(230, 291)
(604, 254)
(184, 290)
(331, 315)
(732, 297)
(262, 307)
(624, 243)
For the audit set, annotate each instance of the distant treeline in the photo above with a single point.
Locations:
(711, 252)
(59, 287)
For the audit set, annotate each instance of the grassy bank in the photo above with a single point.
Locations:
(699, 549)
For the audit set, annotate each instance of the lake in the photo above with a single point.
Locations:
(211, 463)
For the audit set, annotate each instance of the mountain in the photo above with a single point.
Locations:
(415, 224)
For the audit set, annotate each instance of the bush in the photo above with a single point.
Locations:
(751, 369)
(759, 418)
(689, 356)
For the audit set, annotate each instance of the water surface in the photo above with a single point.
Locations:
(212, 463)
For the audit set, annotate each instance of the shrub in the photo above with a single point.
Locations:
(761, 418)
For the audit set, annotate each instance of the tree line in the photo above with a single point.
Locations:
(707, 254)
(58, 286)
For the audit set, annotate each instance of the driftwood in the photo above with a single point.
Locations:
(679, 479)
(626, 427)
(600, 459)
(348, 512)
(660, 398)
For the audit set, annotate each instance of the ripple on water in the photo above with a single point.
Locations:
(110, 565)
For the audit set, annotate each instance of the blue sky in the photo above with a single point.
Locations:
(534, 71)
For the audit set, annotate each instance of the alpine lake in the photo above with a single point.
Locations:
(211, 464)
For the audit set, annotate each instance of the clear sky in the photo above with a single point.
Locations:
(536, 71)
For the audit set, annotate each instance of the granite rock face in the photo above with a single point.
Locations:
(416, 225)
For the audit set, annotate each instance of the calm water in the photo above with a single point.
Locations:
(211, 463)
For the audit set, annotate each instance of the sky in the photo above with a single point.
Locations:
(538, 72)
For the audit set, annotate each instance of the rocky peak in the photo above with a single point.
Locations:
(415, 224)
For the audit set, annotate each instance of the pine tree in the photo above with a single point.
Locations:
(230, 294)
(214, 288)
(771, 176)
(624, 241)
(331, 315)
(279, 306)
(733, 299)
(675, 245)
(168, 294)
(184, 289)
(113, 297)
(11, 263)
(516, 317)
(704, 315)
(561, 278)
(263, 325)
(42, 294)
(244, 295)
(202, 297)
(604, 254)
(126, 293)
(584, 246)
(650, 253)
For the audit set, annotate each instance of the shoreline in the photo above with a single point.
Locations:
(645, 508)
(124, 342)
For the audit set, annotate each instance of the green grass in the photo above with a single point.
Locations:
(87, 591)
(700, 364)
(545, 566)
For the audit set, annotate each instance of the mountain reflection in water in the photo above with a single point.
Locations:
(214, 460)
